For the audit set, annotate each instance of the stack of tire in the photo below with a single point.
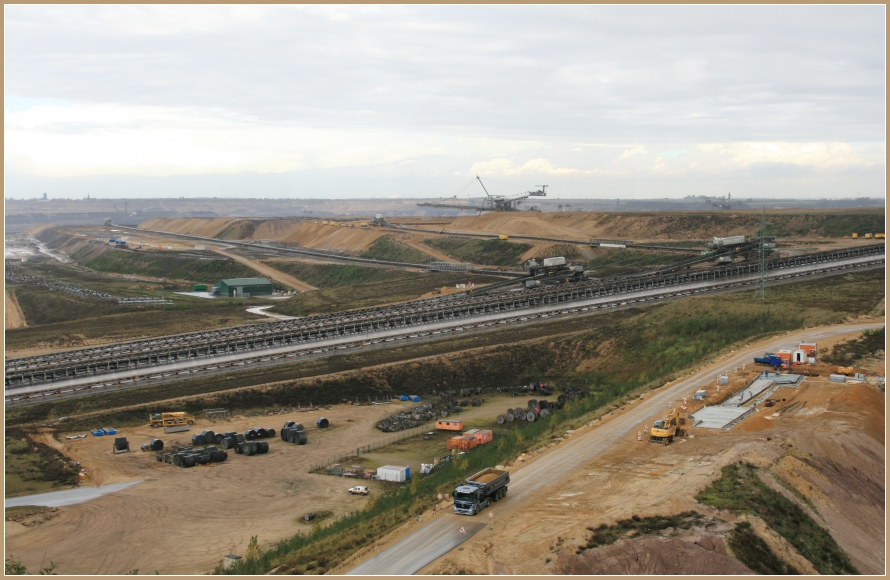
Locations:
(190, 457)
(294, 432)
(532, 411)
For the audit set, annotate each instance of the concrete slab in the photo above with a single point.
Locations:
(718, 416)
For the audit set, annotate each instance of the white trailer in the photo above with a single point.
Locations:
(550, 262)
(730, 241)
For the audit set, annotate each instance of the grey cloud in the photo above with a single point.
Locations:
(679, 73)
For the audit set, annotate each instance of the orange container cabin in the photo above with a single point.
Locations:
(445, 425)
(785, 355)
(482, 436)
(463, 443)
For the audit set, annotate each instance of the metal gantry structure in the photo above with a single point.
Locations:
(493, 202)
(762, 289)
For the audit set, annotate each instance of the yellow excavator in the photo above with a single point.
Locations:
(664, 430)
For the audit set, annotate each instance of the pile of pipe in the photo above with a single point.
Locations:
(533, 388)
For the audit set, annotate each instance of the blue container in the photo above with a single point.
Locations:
(110, 431)
(403, 397)
(414, 398)
(112, 240)
(407, 473)
(98, 432)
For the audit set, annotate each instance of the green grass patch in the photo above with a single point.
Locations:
(338, 275)
(740, 491)
(567, 251)
(34, 467)
(866, 345)
(209, 269)
(619, 262)
(484, 252)
(395, 287)
(753, 552)
(388, 249)
(635, 526)
(58, 320)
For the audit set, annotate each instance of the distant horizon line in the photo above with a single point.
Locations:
(183, 198)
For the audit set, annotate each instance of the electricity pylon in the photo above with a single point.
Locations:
(762, 289)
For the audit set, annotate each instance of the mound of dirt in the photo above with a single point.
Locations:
(691, 554)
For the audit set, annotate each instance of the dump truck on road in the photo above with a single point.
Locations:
(479, 490)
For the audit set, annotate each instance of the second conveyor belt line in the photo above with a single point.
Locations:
(265, 335)
(279, 353)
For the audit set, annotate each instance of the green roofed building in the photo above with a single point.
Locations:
(243, 287)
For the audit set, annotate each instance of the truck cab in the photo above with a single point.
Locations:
(467, 500)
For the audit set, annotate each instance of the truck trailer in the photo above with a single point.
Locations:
(729, 241)
(479, 490)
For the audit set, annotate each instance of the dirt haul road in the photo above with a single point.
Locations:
(14, 316)
(272, 273)
(602, 473)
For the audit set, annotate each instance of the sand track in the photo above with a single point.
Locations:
(15, 318)
(266, 270)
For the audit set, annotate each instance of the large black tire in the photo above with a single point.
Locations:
(260, 433)
(545, 412)
(239, 448)
(250, 435)
(501, 419)
(228, 443)
(262, 447)
(218, 438)
(197, 439)
(189, 461)
(239, 438)
(510, 417)
(249, 448)
(203, 459)
(284, 433)
(530, 417)
(270, 432)
(289, 424)
(302, 438)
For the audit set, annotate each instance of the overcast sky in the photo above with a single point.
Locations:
(413, 101)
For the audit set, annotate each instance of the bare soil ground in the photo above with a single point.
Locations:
(644, 226)
(825, 441)
(184, 521)
(14, 316)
